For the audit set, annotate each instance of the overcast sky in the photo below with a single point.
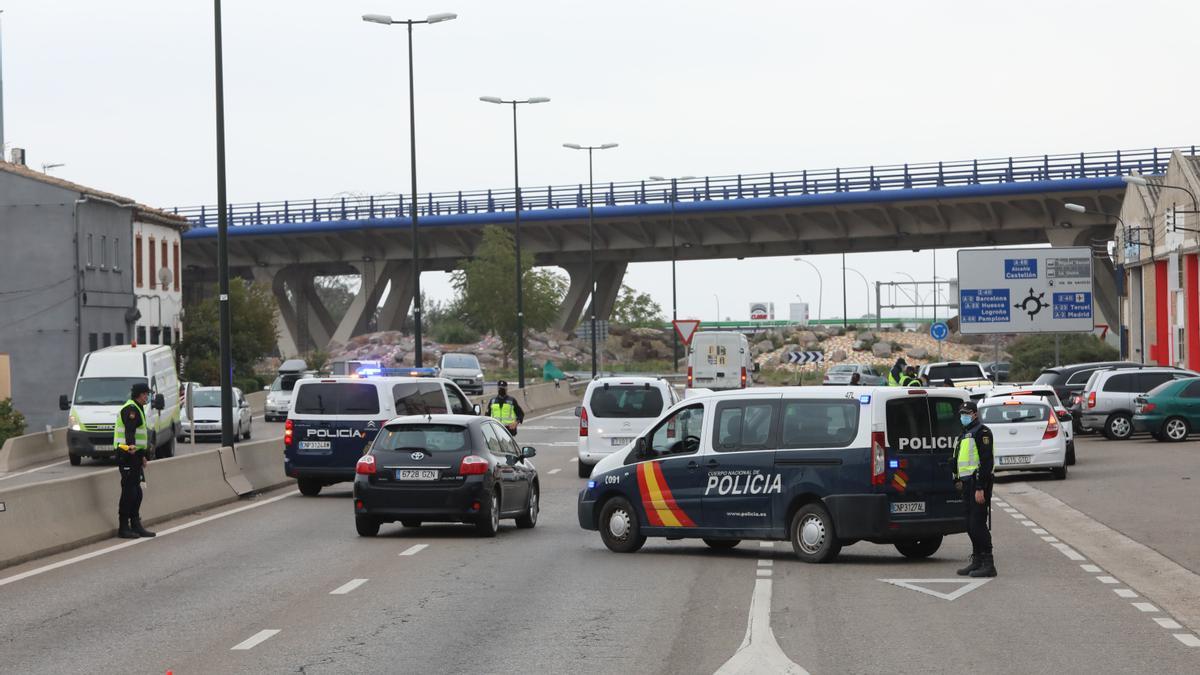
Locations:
(316, 100)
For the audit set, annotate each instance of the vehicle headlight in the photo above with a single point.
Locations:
(73, 421)
(479, 377)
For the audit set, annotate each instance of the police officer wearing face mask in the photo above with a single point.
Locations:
(973, 471)
(505, 409)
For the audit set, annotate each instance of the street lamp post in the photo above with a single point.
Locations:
(412, 132)
(591, 239)
(517, 227)
(866, 284)
(225, 337)
(916, 295)
(820, 287)
(674, 299)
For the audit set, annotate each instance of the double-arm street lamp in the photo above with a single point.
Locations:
(674, 197)
(517, 226)
(412, 131)
(591, 239)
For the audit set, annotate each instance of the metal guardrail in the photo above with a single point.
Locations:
(710, 188)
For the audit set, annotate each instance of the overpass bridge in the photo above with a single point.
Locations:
(980, 202)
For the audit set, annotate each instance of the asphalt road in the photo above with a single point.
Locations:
(63, 469)
(282, 583)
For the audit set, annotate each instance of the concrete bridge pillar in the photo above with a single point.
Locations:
(1105, 297)
(577, 296)
(285, 315)
(399, 279)
(609, 276)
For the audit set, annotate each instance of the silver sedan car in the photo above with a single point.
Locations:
(841, 374)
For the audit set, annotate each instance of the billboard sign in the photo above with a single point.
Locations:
(762, 311)
(1026, 290)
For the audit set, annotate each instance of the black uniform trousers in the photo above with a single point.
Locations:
(977, 516)
(131, 491)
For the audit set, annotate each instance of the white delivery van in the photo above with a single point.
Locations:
(718, 360)
(102, 387)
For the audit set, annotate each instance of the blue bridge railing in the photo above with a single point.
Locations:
(709, 188)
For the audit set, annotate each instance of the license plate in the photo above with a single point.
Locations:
(908, 507)
(1015, 459)
(462, 381)
(416, 474)
(315, 445)
(621, 441)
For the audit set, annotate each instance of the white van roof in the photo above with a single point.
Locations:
(826, 392)
(119, 360)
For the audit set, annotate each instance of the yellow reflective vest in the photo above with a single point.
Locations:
(142, 435)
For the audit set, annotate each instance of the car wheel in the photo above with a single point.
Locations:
(1071, 453)
(246, 434)
(309, 487)
(919, 548)
(585, 471)
(410, 523)
(722, 544)
(1118, 427)
(529, 518)
(76, 460)
(812, 534)
(167, 450)
(1176, 429)
(1059, 473)
(366, 526)
(619, 528)
(489, 518)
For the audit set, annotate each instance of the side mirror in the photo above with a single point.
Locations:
(64, 403)
(527, 452)
(477, 409)
(578, 410)
(159, 402)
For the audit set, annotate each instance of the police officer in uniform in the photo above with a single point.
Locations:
(973, 471)
(895, 376)
(505, 409)
(131, 440)
(909, 378)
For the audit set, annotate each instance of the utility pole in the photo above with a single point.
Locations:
(1, 88)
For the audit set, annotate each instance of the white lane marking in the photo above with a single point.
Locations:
(1050, 538)
(574, 460)
(1010, 511)
(29, 471)
(1038, 530)
(1028, 523)
(759, 652)
(348, 586)
(1187, 639)
(1125, 593)
(551, 414)
(1003, 505)
(766, 544)
(766, 562)
(255, 640)
(1017, 515)
(1091, 568)
(413, 550)
(1144, 606)
(134, 542)
(1107, 580)
(915, 585)
(763, 572)
(1170, 624)
(553, 471)
(1068, 551)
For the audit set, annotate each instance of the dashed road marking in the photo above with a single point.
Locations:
(1169, 624)
(766, 544)
(1107, 580)
(1050, 538)
(1038, 530)
(763, 572)
(1028, 523)
(574, 460)
(553, 471)
(255, 640)
(1125, 593)
(766, 562)
(1017, 515)
(1091, 568)
(1187, 639)
(348, 586)
(759, 651)
(1144, 607)
(1068, 551)
(413, 550)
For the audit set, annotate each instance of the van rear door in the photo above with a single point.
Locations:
(333, 421)
(921, 431)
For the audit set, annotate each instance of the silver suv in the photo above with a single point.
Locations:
(1108, 398)
(464, 370)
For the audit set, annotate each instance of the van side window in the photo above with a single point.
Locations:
(744, 426)
(418, 398)
(819, 423)
(679, 434)
(944, 415)
(1081, 377)
(1121, 382)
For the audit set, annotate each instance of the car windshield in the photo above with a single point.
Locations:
(843, 369)
(464, 361)
(956, 371)
(337, 398)
(206, 398)
(1008, 413)
(431, 438)
(105, 390)
(1047, 377)
(626, 401)
(286, 382)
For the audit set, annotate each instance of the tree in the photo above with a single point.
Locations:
(12, 422)
(252, 309)
(1033, 353)
(336, 294)
(636, 309)
(487, 290)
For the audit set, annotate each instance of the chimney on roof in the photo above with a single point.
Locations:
(18, 156)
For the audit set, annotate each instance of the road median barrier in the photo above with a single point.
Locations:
(261, 464)
(19, 452)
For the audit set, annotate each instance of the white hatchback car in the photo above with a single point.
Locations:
(1047, 394)
(614, 411)
(1026, 434)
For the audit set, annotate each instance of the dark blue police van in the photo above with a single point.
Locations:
(332, 421)
(824, 467)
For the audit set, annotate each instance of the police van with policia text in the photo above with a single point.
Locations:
(822, 466)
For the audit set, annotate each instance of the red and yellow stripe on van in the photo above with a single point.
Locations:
(661, 509)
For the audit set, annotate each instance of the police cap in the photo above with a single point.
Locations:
(502, 383)
(138, 389)
(968, 407)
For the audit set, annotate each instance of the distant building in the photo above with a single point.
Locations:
(68, 281)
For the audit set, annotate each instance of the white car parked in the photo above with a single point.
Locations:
(614, 411)
(1026, 435)
(206, 409)
(1047, 394)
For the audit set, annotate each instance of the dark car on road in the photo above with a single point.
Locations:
(1069, 380)
(445, 468)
